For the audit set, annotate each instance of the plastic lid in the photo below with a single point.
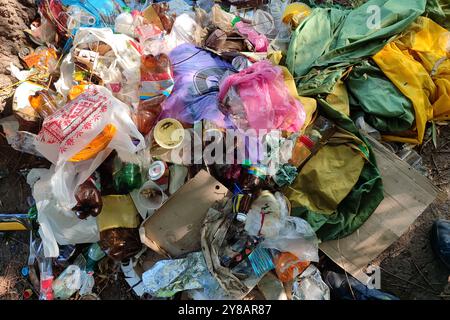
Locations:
(169, 133)
(307, 142)
(235, 20)
(156, 170)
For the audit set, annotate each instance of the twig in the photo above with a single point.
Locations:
(434, 163)
(423, 276)
(414, 284)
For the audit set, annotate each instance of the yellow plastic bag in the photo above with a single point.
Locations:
(419, 66)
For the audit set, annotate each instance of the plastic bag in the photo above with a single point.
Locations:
(258, 40)
(118, 69)
(265, 97)
(265, 215)
(57, 224)
(196, 74)
(310, 286)
(297, 237)
(69, 130)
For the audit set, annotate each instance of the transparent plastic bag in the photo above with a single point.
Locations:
(265, 97)
(95, 119)
(297, 237)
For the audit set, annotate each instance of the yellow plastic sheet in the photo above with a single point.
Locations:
(418, 64)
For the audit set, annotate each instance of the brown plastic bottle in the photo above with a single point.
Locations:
(43, 103)
(89, 200)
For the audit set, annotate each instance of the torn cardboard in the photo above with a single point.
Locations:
(174, 229)
(407, 194)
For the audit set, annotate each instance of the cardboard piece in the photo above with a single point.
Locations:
(174, 229)
(407, 194)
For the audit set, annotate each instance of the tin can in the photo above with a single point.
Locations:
(159, 173)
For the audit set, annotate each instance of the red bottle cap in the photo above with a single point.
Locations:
(307, 142)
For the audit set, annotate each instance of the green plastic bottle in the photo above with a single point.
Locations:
(127, 178)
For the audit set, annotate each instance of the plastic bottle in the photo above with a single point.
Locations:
(127, 178)
(288, 267)
(94, 255)
(147, 113)
(301, 151)
(46, 279)
(89, 200)
(43, 103)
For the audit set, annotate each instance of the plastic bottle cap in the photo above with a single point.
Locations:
(235, 20)
(25, 271)
(241, 217)
(307, 142)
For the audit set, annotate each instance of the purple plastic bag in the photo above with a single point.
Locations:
(194, 97)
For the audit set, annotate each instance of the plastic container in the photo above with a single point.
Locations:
(43, 103)
(151, 196)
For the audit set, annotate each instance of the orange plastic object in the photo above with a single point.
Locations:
(287, 266)
(99, 143)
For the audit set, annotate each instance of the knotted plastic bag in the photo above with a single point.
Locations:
(260, 94)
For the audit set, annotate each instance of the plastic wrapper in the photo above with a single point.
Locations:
(264, 96)
(168, 277)
(104, 11)
(67, 283)
(310, 286)
(196, 76)
(297, 237)
(78, 138)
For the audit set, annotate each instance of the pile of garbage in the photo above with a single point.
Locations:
(208, 147)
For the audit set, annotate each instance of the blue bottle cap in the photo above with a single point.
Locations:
(25, 271)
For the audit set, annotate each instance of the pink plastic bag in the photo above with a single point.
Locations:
(260, 93)
(258, 40)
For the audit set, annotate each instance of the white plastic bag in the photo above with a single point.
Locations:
(66, 132)
(56, 224)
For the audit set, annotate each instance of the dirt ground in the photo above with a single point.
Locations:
(410, 270)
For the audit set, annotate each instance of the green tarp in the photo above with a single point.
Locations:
(330, 40)
(385, 107)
